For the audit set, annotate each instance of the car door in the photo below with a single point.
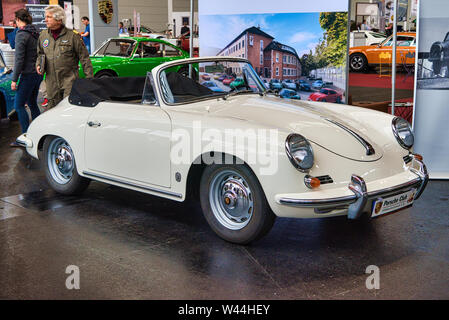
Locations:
(406, 51)
(129, 142)
(147, 55)
(332, 96)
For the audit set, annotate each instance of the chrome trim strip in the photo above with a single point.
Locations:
(135, 185)
(346, 200)
(368, 147)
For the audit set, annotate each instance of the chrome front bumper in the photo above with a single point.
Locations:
(356, 202)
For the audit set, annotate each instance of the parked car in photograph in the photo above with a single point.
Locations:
(205, 76)
(318, 84)
(222, 77)
(289, 84)
(289, 94)
(237, 83)
(6, 94)
(303, 85)
(212, 86)
(227, 80)
(371, 38)
(326, 95)
(132, 57)
(324, 160)
(362, 57)
(275, 85)
(439, 55)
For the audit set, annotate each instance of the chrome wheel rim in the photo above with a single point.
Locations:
(357, 62)
(60, 161)
(231, 200)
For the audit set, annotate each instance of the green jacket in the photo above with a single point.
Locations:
(60, 59)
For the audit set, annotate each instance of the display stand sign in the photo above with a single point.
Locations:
(37, 12)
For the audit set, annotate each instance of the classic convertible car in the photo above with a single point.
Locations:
(439, 54)
(131, 57)
(248, 155)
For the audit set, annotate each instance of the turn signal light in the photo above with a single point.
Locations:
(418, 157)
(312, 182)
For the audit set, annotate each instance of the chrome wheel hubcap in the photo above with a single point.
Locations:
(60, 161)
(231, 200)
(357, 62)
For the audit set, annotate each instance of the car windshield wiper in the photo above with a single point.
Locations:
(233, 93)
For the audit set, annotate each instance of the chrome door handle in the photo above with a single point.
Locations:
(94, 124)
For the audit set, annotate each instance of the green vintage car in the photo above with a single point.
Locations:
(132, 56)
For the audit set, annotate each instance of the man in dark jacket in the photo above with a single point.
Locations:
(24, 70)
(59, 52)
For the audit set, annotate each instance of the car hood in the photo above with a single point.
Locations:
(319, 125)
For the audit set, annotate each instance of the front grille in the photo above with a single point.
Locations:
(325, 179)
(407, 158)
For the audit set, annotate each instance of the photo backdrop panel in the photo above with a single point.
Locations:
(300, 46)
(432, 93)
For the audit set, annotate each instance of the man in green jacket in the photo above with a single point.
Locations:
(59, 52)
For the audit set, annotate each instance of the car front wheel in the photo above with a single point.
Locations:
(357, 62)
(60, 167)
(234, 203)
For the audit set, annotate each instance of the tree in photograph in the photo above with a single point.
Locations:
(335, 37)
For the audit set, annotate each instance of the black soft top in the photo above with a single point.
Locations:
(90, 92)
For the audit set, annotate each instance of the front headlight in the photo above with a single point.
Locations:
(299, 151)
(403, 132)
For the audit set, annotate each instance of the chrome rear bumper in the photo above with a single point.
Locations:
(356, 203)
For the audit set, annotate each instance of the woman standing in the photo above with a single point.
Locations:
(24, 67)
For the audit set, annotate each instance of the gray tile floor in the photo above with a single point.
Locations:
(129, 245)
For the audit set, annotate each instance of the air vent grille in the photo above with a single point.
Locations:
(325, 179)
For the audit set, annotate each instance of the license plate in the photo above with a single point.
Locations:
(392, 204)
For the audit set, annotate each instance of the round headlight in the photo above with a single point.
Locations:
(299, 151)
(403, 132)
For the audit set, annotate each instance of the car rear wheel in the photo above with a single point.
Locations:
(60, 167)
(357, 62)
(234, 203)
(104, 74)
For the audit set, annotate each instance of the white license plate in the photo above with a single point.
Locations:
(392, 204)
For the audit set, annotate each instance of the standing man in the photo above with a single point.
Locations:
(12, 35)
(86, 33)
(59, 52)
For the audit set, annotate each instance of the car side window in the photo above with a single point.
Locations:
(169, 51)
(149, 50)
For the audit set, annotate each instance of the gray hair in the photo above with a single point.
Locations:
(57, 12)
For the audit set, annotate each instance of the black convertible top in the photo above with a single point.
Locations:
(90, 92)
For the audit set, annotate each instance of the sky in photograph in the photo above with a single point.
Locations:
(301, 31)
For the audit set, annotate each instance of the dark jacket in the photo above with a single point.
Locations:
(26, 54)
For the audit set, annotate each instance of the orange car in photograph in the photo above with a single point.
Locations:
(362, 57)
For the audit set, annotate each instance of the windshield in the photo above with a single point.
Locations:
(188, 82)
(117, 48)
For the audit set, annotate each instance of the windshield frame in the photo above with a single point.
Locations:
(262, 87)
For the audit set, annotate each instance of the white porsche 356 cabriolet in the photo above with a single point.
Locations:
(248, 154)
